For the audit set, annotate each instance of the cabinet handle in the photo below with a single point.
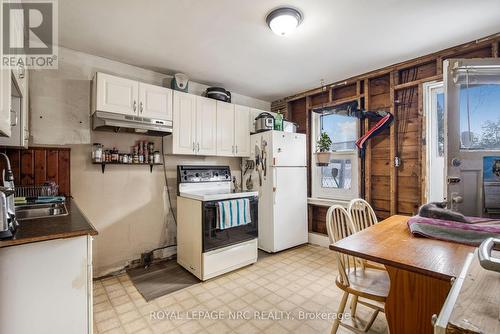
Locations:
(15, 118)
(198, 147)
(135, 105)
(194, 147)
(232, 149)
(140, 107)
(236, 149)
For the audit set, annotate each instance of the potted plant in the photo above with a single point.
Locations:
(323, 153)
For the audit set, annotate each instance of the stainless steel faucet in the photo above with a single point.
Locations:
(8, 222)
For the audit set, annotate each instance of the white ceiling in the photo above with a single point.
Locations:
(226, 42)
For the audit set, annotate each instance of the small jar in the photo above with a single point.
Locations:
(157, 157)
(124, 159)
(97, 152)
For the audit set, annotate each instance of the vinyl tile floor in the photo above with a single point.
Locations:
(292, 291)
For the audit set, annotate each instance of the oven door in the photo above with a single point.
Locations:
(214, 238)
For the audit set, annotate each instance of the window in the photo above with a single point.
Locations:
(338, 180)
(480, 116)
(434, 115)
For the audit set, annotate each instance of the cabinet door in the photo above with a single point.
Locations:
(225, 129)
(242, 131)
(206, 126)
(155, 102)
(4, 91)
(184, 124)
(5, 102)
(117, 95)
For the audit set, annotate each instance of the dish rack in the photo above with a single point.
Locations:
(49, 189)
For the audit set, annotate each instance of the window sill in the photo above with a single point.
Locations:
(326, 201)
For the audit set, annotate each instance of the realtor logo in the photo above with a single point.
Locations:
(29, 34)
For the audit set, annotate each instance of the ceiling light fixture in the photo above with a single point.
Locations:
(284, 20)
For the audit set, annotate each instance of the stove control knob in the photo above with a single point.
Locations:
(185, 177)
(197, 174)
(227, 176)
(216, 174)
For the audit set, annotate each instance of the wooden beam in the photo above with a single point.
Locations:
(439, 65)
(393, 148)
(422, 152)
(494, 49)
(368, 151)
(309, 141)
(446, 53)
(418, 82)
(337, 102)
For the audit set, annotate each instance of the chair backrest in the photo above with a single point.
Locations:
(340, 226)
(362, 214)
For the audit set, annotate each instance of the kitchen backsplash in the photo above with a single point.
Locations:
(37, 165)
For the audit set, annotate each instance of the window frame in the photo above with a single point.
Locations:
(317, 191)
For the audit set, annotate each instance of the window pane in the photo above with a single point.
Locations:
(342, 130)
(440, 123)
(338, 174)
(480, 117)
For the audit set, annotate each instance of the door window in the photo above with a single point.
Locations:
(480, 116)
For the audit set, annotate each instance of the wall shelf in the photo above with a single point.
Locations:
(103, 165)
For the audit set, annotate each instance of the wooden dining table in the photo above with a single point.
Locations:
(421, 270)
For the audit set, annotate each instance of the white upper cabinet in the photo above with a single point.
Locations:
(117, 95)
(5, 82)
(184, 124)
(130, 97)
(242, 131)
(225, 129)
(206, 126)
(155, 102)
(5, 102)
(194, 125)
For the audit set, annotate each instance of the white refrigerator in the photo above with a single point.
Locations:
(282, 186)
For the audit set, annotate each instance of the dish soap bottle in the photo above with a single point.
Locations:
(278, 122)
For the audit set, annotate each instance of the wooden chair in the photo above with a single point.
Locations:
(354, 278)
(362, 214)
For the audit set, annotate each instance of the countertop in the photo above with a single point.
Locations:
(72, 225)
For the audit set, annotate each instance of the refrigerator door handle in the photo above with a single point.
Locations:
(275, 183)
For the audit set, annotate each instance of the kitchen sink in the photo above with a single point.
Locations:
(34, 211)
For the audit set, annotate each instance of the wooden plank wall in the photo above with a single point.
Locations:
(36, 165)
(398, 89)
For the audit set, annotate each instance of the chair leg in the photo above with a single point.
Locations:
(340, 311)
(354, 305)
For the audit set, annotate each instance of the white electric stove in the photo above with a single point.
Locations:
(202, 248)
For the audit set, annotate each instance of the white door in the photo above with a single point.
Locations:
(206, 126)
(242, 131)
(434, 114)
(290, 206)
(117, 95)
(184, 124)
(289, 149)
(472, 127)
(155, 102)
(225, 129)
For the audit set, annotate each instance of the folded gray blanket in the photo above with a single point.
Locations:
(472, 233)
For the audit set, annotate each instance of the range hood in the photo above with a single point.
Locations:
(107, 121)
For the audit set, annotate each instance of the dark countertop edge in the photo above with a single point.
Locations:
(73, 209)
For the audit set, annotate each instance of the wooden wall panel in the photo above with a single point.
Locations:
(404, 98)
(36, 165)
(317, 216)
(344, 92)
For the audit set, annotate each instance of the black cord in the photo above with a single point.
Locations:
(166, 184)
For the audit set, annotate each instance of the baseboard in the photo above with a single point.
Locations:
(319, 239)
